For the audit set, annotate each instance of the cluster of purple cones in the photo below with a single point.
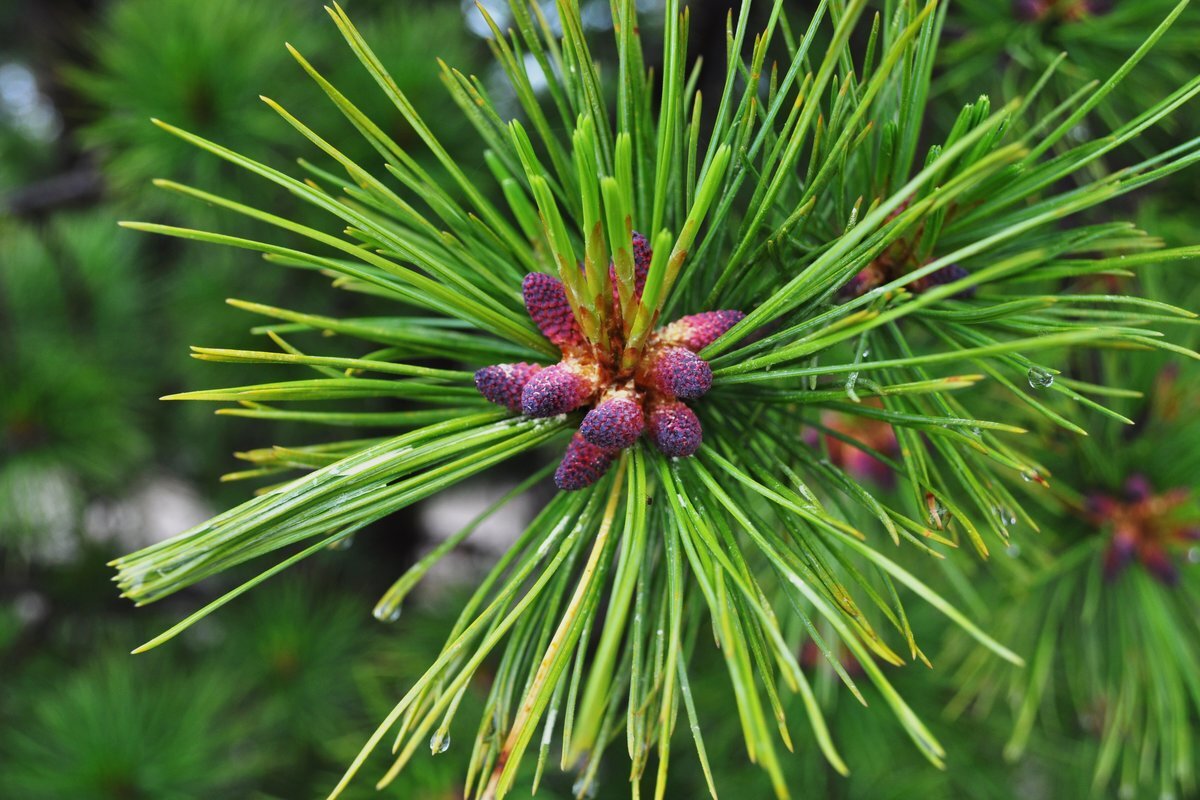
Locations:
(648, 398)
(1143, 526)
(1064, 10)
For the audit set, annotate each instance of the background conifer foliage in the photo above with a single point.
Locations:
(787, 401)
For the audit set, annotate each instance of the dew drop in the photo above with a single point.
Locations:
(1193, 555)
(386, 612)
(1029, 475)
(1040, 378)
(938, 514)
(584, 789)
(1013, 550)
(439, 743)
(342, 544)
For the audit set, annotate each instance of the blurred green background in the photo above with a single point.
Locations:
(271, 697)
(274, 697)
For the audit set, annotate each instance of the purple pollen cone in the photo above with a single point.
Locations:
(1159, 564)
(641, 260)
(940, 277)
(867, 279)
(698, 331)
(679, 372)
(546, 302)
(1121, 552)
(555, 390)
(675, 429)
(1030, 10)
(615, 423)
(583, 464)
(502, 384)
(1138, 489)
(641, 266)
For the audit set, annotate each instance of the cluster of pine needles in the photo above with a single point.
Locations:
(940, 275)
